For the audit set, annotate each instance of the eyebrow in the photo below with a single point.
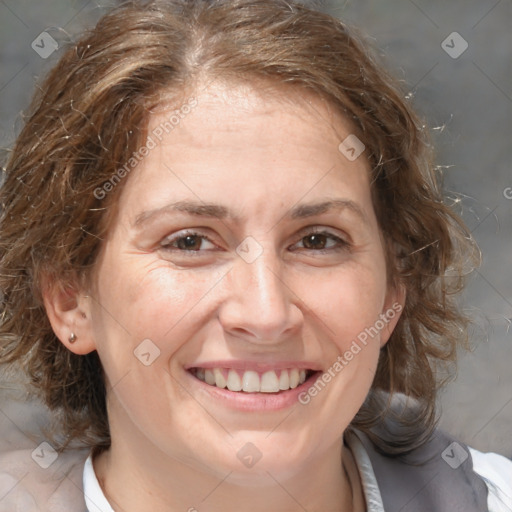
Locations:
(312, 209)
(216, 211)
(197, 209)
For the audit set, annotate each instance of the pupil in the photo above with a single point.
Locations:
(317, 240)
(188, 242)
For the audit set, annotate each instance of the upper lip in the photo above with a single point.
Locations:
(260, 366)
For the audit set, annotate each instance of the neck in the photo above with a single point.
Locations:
(145, 480)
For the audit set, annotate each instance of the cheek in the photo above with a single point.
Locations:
(348, 301)
(168, 300)
(142, 317)
(137, 302)
(351, 305)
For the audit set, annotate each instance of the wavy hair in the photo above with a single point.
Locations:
(90, 115)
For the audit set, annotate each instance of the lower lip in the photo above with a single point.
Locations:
(242, 401)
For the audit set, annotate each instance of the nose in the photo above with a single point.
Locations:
(260, 305)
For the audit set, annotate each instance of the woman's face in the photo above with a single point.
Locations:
(246, 253)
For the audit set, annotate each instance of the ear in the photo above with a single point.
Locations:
(69, 313)
(392, 310)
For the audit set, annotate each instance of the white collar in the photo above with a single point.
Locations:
(95, 500)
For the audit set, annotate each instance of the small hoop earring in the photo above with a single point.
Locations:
(72, 338)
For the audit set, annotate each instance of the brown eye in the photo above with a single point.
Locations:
(189, 243)
(322, 241)
(315, 241)
(192, 242)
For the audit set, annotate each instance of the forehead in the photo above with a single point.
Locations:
(224, 106)
(241, 142)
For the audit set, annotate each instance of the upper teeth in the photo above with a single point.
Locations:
(250, 381)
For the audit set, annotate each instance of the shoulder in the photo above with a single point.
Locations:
(42, 480)
(438, 475)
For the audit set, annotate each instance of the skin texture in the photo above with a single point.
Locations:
(174, 445)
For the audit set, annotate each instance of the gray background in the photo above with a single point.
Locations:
(468, 103)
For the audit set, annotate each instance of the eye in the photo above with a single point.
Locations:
(187, 241)
(323, 241)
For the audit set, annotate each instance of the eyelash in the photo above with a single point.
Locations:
(343, 245)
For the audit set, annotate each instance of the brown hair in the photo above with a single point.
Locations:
(91, 114)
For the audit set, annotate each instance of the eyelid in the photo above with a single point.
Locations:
(325, 230)
(344, 241)
(318, 228)
(168, 240)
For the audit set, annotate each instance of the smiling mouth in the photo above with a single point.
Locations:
(250, 381)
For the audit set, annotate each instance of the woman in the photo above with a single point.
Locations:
(227, 263)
